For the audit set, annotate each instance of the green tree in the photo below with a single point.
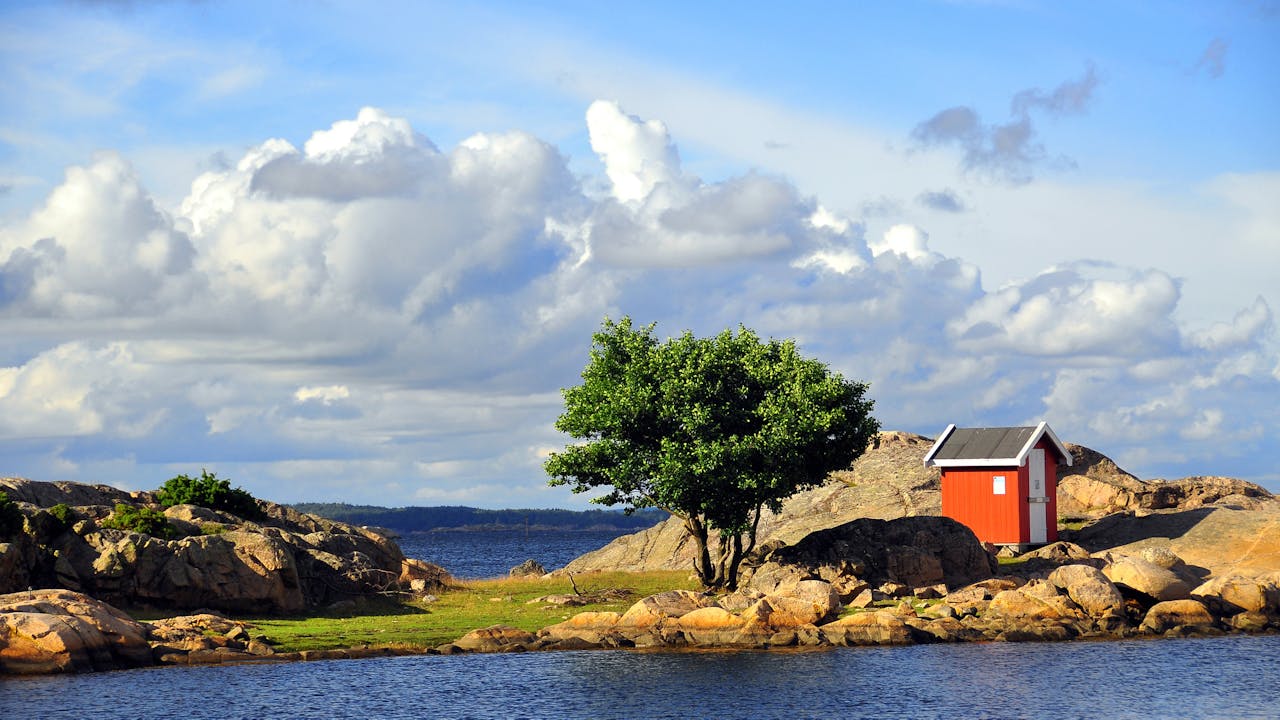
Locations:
(713, 430)
(208, 491)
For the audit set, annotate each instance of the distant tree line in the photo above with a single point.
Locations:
(421, 519)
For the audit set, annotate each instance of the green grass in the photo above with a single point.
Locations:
(475, 604)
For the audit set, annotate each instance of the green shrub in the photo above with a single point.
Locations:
(10, 517)
(140, 520)
(63, 513)
(212, 528)
(209, 492)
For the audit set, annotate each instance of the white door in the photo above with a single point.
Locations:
(1037, 502)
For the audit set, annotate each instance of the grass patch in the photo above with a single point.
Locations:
(476, 604)
(1006, 561)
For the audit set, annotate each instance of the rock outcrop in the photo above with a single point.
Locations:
(1075, 601)
(51, 631)
(281, 561)
(1213, 540)
(48, 494)
(888, 481)
(1093, 486)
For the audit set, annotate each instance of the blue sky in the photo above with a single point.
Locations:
(351, 251)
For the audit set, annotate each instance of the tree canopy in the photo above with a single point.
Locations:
(713, 430)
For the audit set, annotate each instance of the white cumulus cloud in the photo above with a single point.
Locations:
(375, 319)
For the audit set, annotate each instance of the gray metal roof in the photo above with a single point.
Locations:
(984, 443)
(990, 447)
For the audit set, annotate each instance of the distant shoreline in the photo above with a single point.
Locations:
(417, 519)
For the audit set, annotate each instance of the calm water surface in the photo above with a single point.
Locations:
(483, 554)
(1230, 677)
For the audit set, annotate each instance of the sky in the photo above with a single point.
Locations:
(352, 251)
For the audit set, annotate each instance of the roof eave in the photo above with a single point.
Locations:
(937, 445)
(1043, 430)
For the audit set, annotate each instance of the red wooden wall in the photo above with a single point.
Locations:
(1000, 519)
(967, 497)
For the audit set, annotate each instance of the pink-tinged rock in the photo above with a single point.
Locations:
(1165, 616)
(870, 628)
(44, 631)
(669, 604)
(1090, 589)
(496, 638)
(779, 612)
(1033, 601)
(1147, 578)
(1233, 594)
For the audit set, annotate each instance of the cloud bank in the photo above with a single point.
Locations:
(374, 319)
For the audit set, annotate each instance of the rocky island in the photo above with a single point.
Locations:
(863, 559)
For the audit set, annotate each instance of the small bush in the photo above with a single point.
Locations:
(140, 520)
(212, 528)
(209, 492)
(10, 517)
(63, 513)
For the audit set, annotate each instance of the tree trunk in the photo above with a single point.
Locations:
(739, 552)
(702, 555)
(722, 572)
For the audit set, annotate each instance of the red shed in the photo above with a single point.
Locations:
(1001, 482)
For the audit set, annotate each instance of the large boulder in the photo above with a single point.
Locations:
(1090, 589)
(496, 638)
(912, 551)
(664, 605)
(47, 631)
(1037, 600)
(1233, 594)
(869, 628)
(1170, 614)
(714, 625)
(594, 629)
(423, 578)
(1147, 578)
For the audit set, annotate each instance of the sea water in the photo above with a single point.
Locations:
(1226, 677)
(474, 554)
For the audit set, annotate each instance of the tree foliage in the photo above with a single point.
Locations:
(210, 492)
(713, 430)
